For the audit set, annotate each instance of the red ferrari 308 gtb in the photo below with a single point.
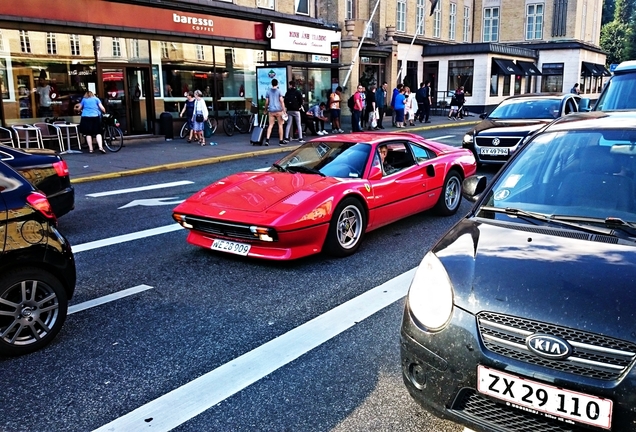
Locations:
(325, 195)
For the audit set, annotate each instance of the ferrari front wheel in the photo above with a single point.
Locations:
(451, 196)
(346, 228)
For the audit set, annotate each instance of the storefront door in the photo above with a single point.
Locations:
(127, 96)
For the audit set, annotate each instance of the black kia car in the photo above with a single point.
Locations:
(37, 268)
(500, 132)
(47, 171)
(523, 316)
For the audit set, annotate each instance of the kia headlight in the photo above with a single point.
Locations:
(430, 296)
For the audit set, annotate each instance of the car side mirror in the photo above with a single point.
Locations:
(473, 186)
(483, 116)
(584, 105)
(376, 173)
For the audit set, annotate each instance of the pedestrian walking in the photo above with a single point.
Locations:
(410, 106)
(370, 108)
(335, 99)
(396, 91)
(293, 102)
(460, 97)
(275, 108)
(380, 103)
(188, 113)
(400, 102)
(199, 117)
(91, 120)
(356, 111)
(424, 102)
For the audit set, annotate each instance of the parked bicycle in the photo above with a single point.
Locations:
(239, 121)
(212, 124)
(112, 134)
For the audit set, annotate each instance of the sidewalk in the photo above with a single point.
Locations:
(154, 153)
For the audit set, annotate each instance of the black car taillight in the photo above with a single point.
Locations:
(61, 168)
(39, 202)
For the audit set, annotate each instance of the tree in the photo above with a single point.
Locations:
(629, 47)
(613, 39)
(608, 12)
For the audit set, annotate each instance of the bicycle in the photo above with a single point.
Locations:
(185, 129)
(111, 133)
(239, 121)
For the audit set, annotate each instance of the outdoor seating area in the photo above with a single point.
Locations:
(58, 136)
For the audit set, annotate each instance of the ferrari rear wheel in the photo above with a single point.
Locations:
(451, 197)
(346, 228)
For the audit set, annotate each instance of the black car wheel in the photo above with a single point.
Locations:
(451, 196)
(346, 228)
(33, 307)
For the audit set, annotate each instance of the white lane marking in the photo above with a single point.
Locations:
(191, 399)
(108, 298)
(126, 238)
(141, 188)
(152, 202)
(441, 137)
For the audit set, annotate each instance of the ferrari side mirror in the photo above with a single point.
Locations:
(376, 173)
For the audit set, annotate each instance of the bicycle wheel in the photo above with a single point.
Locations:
(243, 124)
(213, 124)
(228, 126)
(113, 138)
(185, 130)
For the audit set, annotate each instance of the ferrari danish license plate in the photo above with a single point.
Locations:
(231, 247)
(538, 398)
(493, 151)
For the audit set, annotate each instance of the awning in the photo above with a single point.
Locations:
(506, 67)
(593, 69)
(528, 68)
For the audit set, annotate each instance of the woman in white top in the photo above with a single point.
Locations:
(410, 107)
(200, 113)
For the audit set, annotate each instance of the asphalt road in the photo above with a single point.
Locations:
(215, 342)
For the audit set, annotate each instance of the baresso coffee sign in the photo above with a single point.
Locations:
(103, 13)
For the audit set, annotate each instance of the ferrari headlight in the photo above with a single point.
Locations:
(468, 138)
(430, 297)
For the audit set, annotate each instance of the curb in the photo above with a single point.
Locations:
(217, 159)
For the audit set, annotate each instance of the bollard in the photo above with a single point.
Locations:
(165, 120)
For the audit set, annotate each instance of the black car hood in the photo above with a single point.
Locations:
(589, 285)
(508, 127)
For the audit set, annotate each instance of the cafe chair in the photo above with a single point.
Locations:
(51, 134)
(27, 136)
(6, 137)
(70, 131)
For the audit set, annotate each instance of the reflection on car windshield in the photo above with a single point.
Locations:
(527, 109)
(333, 159)
(574, 173)
(613, 98)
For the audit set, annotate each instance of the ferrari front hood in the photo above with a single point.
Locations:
(255, 191)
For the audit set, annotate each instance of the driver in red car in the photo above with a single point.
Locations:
(388, 169)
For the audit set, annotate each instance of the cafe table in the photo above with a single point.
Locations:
(68, 129)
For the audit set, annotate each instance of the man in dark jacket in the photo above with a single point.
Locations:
(423, 97)
(380, 103)
(294, 103)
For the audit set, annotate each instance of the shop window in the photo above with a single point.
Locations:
(491, 24)
(494, 85)
(25, 43)
(437, 20)
(460, 73)
(506, 85)
(552, 79)
(265, 4)
(116, 47)
(517, 86)
(452, 22)
(74, 42)
(466, 27)
(302, 7)
(534, 22)
(51, 43)
(420, 17)
(401, 16)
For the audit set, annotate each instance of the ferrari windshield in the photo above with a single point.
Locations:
(527, 108)
(333, 159)
(579, 173)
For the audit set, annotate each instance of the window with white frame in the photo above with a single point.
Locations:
(116, 47)
(265, 4)
(349, 12)
(302, 7)
(420, 17)
(491, 24)
(25, 43)
(51, 43)
(466, 26)
(401, 16)
(74, 42)
(452, 22)
(134, 48)
(164, 50)
(534, 19)
(437, 20)
(200, 53)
